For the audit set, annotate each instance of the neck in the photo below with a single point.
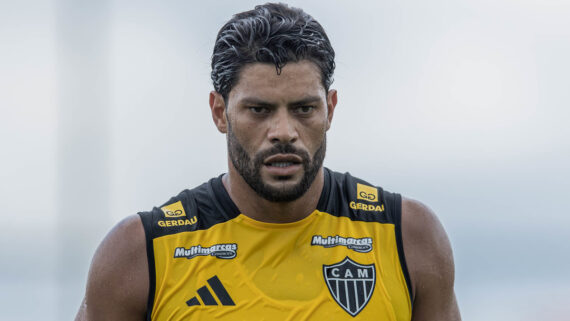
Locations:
(260, 209)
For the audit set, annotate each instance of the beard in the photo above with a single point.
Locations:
(250, 169)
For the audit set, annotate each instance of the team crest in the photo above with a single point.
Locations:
(351, 284)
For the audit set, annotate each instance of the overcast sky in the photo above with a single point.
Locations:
(463, 105)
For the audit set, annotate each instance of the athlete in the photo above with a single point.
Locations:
(277, 237)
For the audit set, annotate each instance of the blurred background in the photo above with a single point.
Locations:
(463, 105)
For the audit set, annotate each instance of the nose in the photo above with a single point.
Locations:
(283, 129)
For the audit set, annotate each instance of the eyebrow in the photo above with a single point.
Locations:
(261, 102)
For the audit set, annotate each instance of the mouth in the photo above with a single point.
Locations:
(283, 160)
(280, 164)
(283, 164)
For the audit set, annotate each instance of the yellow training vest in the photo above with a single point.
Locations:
(344, 261)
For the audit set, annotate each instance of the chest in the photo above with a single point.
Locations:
(336, 269)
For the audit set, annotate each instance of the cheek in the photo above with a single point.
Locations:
(315, 134)
(248, 135)
(245, 125)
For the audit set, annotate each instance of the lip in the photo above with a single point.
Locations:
(283, 171)
(283, 158)
(293, 168)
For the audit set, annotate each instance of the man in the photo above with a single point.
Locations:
(278, 237)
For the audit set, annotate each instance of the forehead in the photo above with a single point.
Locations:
(260, 80)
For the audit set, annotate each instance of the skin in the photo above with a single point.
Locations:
(263, 109)
(430, 264)
(118, 281)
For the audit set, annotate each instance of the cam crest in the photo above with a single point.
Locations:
(351, 284)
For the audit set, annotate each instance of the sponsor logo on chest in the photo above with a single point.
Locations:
(221, 251)
(362, 245)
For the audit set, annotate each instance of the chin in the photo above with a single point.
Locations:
(279, 191)
(290, 181)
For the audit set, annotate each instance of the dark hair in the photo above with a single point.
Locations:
(271, 33)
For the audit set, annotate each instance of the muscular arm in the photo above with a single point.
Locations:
(118, 283)
(430, 264)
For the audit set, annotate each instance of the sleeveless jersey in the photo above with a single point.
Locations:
(345, 261)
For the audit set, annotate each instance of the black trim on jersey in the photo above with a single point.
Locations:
(147, 224)
(340, 190)
(400, 244)
(219, 192)
(324, 199)
(205, 206)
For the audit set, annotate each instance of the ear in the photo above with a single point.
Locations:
(218, 107)
(331, 104)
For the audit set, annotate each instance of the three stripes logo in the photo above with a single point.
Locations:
(206, 296)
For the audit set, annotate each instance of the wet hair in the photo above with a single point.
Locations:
(272, 33)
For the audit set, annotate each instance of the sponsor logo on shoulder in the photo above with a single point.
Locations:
(361, 245)
(366, 193)
(366, 207)
(173, 210)
(221, 251)
(176, 211)
(170, 223)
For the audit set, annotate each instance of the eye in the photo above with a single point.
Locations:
(304, 110)
(258, 109)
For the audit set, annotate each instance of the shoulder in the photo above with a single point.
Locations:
(429, 259)
(122, 252)
(124, 243)
(427, 248)
(421, 224)
(118, 283)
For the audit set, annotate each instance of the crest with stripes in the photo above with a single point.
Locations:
(351, 284)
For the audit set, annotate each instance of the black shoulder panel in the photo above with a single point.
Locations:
(191, 210)
(345, 195)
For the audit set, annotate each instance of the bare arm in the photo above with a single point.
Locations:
(430, 264)
(118, 282)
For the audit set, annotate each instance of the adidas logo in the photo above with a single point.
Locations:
(207, 297)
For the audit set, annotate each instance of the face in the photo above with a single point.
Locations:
(276, 128)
